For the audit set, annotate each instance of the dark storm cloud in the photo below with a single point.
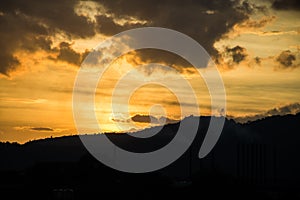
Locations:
(28, 24)
(17, 32)
(41, 129)
(286, 4)
(287, 59)
(8, 63)
(66, 53)
(56, 14)
(205, 21)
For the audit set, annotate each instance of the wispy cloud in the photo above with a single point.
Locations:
(23, 100)
(41, 129)
(38, 129)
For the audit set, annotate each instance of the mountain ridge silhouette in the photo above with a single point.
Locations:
(270, 130)
(256, 158)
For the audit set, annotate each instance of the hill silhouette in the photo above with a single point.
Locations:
(259, 159)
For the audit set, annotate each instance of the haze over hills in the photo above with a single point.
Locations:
(292, 108)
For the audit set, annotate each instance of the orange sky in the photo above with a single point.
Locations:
(258, 58)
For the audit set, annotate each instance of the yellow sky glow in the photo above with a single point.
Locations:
(39, 93)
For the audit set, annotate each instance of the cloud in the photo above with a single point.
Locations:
(252, 26)
(34, 128)
(41, 129)
(152, 119)
(257, 60)
(256, 24)
(18, 32)
(121, 120)
(205, 21)
(287, 60)
(167, 120)
(292, 108)
(271, 33)
(170, 60)
(237, 53)
(231, 57)
(23, 100)
(287, 109)
(146, 119)
(252, 8)
(66, 53)
(181, 104)
(8, 63)
(286, 5)
(28, 25)
(52, 15)
(107, 25)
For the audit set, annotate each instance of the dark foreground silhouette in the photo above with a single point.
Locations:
(260, 160)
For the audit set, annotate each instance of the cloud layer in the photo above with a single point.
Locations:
(292, 108)
(32, 25)
(29, 128)
(286, 5)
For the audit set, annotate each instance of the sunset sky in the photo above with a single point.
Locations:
(254, 44)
